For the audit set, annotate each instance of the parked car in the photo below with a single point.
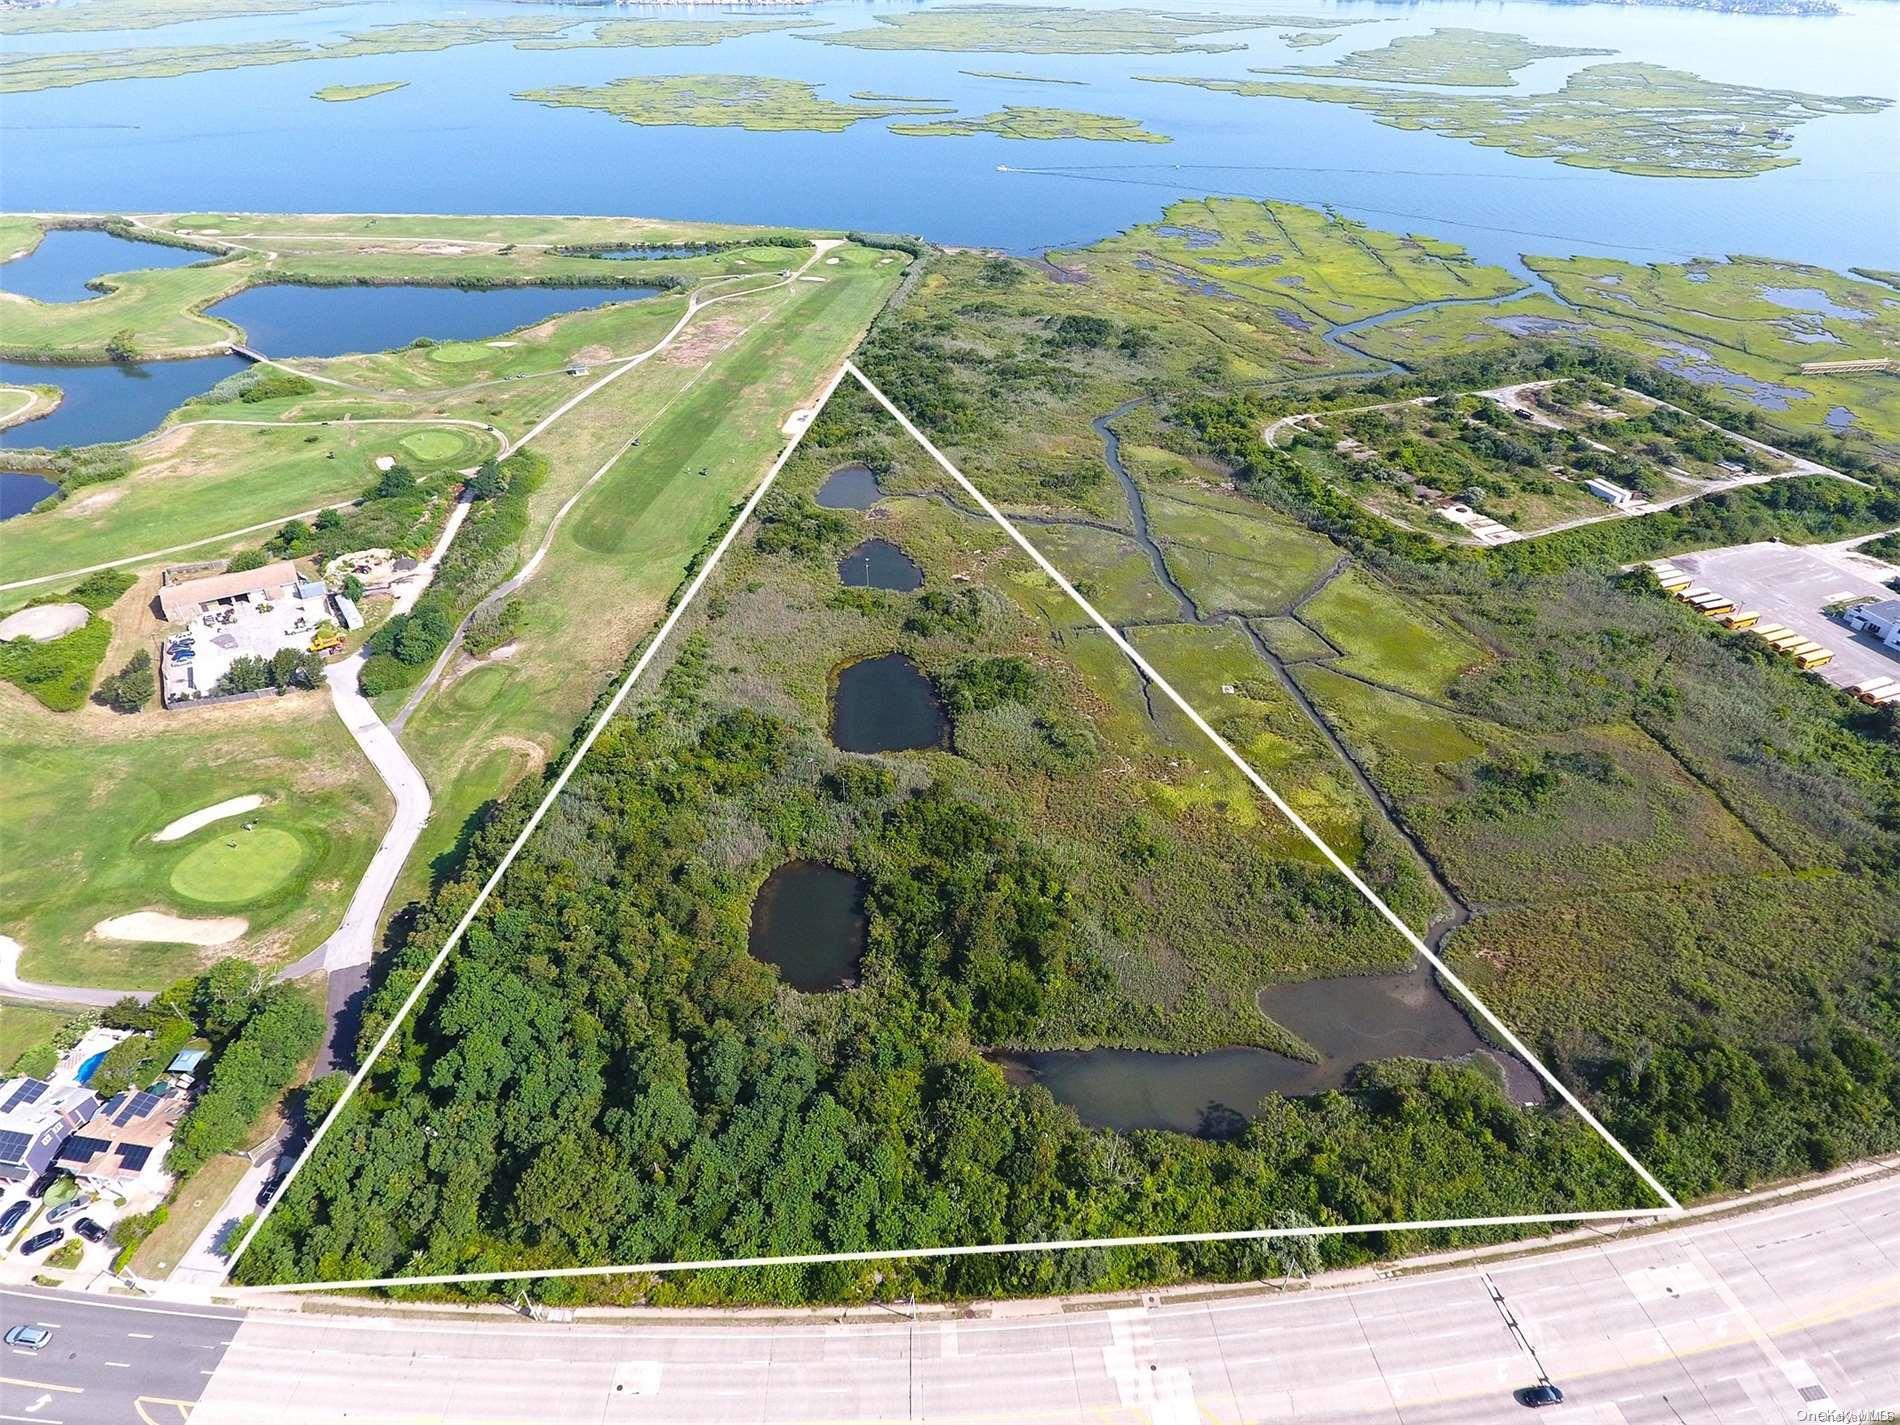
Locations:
(40, 1241)
(69, 1208)
(271, 1184)
(29, 1338)
(14, 1216)
(1538, 1396)
(44, 1181)
(90, 1230)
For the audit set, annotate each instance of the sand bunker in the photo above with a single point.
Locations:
(172, 929)
(385, 462)
(45, 623)
(204, 816)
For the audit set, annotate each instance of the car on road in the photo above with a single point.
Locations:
(271, 1184)
(40, 1241)
(68, 1209)
(1537, 1396)
(29, 1338)
(90, 1230)
(14, 1216)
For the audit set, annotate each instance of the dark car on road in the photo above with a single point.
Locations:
(40, 1241)
(271, 1184)
(90, 1230)
(14, 1216)
(1538, 1396)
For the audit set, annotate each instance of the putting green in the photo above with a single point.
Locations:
(436, 446)
(235, 866)
(461, 353)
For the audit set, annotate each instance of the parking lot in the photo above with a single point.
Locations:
(1791, 584)
(225, 632)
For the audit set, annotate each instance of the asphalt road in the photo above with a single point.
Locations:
(1713, 1323)
(111, 1362)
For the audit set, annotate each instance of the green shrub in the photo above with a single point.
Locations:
(249, 1075)
(58, 674)
(132, 687)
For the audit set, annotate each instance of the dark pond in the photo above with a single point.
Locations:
(288, 320)
(850, 487)
(808, 920)
(109, 402)
(885, 705)
(19, 492)
(637, 254)
(1350, 1020)
(879, 564)
(68, 258)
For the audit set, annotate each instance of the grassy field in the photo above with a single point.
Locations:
(1445, 56)
(1631, 118)
(189, 1213)
(1034, 122)
(734, 101)
(192, 482)
(624, 546)
(22, 1026)
(350, 93)
(83, 802)
(161, 307)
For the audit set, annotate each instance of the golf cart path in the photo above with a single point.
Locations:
(13, 987)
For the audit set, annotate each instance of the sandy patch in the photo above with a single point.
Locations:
(701, 341)
(45, 623)
(385, 462)
(502, 654)
(831, 262)
(157, 925)
(587, 355)
(92, 504)
(204, 816)
(504, 343)
(442, 249)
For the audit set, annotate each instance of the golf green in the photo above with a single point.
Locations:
(462, 353)
(236, 866)
(435, 446)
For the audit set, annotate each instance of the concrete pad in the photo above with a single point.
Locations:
(44, 623)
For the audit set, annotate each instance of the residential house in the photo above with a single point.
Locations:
(36, 1119)
(126, 1136)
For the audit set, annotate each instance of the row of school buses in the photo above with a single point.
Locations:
(1806, 653)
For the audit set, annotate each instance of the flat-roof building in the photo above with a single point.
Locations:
(1881, 619)
(180, 603)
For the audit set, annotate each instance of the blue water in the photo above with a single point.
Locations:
(21, 491)
(109, 403)
(334, 321)
(90, 1067)
(456, 141)
(68, 258)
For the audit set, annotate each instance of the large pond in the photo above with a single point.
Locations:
(1350, 1020)
(879, 564)
(288, 320)
(68, 258)
(850, 487)
(886, 705)
(808, 920)
(21, 491)
(109, 402)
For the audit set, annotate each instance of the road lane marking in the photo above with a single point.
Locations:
(141, 1335)
(43, 1385)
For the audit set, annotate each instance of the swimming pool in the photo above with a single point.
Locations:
(90, 1067)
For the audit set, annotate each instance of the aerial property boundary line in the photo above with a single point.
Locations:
(1671, 1205)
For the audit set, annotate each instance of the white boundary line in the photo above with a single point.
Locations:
(1342, 1229)
(809, 1259)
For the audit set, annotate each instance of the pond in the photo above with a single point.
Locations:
(284, 319)
(850, 487)
(879, 564)
(1350, 1019)
(886, 705)
(648, 254)
(808, 920)
(68, 258)
(109, 402)
(1813, 299)
(20, 491)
